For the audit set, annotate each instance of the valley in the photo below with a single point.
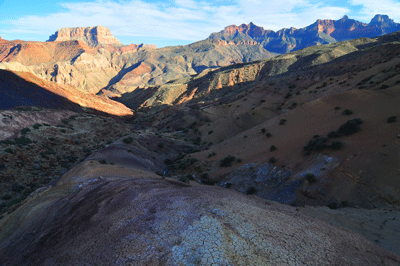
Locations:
(224, 151)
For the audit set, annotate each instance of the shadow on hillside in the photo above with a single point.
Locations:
(16, 91)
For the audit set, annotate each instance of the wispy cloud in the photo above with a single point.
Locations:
(369, 8)
(190, 20)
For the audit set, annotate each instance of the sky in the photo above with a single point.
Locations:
(176, 22)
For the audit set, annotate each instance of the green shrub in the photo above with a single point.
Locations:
(103, 162)
(268, 135)
(197, 141)
(350, 127)
(2, 166)
(282, 121)
(272, 160)
(168, 161)
(263, 130)
(36, 126)
(160, 145)
(6, 197)
(251, 190)
(227, 161)
(25, 130)
(310, 177)
(336, 145)
(316, 144)
(347, 112)
(128, 140)
(183, 179)
(211, 154)
(272, 148)
(392, 119)
(210, 132)
(8, 150)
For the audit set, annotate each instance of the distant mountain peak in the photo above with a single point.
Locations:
(381, 18)
(92, 36)
(323, 31)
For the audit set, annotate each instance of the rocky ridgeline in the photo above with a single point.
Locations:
(321, 32)
(92, 36)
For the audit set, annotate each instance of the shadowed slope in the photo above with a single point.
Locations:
(25, 89)
(142, 220)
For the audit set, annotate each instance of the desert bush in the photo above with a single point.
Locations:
(36, 126)
(272, 160)
(336, 145)
(392, 119)
(337, 107)
(6, 197)
(210, 132)
(160, 145)
(333, 134)
(227, 161)
(17, 188)
(2, 166)
(316, 144)
(268, 135)
(384, 86)
(102, 161)
(127, 140)
(9, 150)
(168, 161)
(347, 112)
(272, 148)
(211, 154)
(251, 190)
(350, 127)
(310, 177)
(197, 141)
(282, 121)
(25, 130)
(183, 179)
(263, 130)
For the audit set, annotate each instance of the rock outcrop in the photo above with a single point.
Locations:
(92, 36)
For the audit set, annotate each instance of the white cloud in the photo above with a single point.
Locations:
(188, 20)
(371, 8)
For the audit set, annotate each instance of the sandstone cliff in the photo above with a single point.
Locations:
(92, 36)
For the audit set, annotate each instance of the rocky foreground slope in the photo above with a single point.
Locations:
(123, 214)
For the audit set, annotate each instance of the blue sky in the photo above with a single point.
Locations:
(175, 22)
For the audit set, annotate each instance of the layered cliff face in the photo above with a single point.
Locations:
(321, 32)
(92, 36)
(92, 60)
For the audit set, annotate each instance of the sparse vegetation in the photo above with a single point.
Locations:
(127, 140)
(311, 178)
(392, 119)
(282, 121)
(25, 130)
(347, 112)
(251, 190)
(272, 148)
(272, 160)
(227, 161)
(211, 154)
(350, 127)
